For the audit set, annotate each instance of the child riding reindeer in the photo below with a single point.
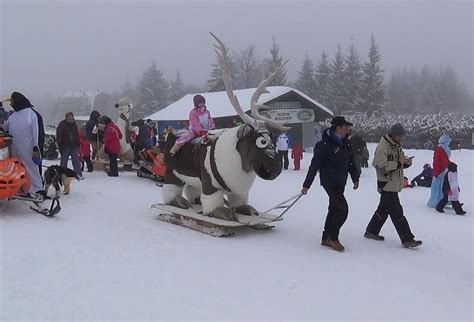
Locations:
(229, 163)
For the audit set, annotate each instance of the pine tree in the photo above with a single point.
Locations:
(352, 79)
(153, 89)
(322, 79)
(337, 82)
(275, 63)
(373, 91)
(177, 88)
(306, 82)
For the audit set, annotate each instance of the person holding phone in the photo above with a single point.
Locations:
(389, 162)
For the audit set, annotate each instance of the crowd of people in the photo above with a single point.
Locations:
(338, 153)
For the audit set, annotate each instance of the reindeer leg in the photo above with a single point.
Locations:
(193, 194)
(212, 200)
(172, 192)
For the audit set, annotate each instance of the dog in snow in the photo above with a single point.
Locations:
(58, 177)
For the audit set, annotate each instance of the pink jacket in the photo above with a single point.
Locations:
(200, 120)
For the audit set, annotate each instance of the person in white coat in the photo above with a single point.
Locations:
(24, 126)
(283, 144)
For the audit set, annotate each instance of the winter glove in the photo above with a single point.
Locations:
(149, 142)
(36, 157)
(202, 133)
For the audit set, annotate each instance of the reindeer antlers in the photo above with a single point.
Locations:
(221, 51)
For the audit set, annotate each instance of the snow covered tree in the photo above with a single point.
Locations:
(337, 82)
(322, 79)
(352, 78)
(177, 88)
(274, 63)
(373, 91)
(306, 82)
(248, 67)
(153, 90)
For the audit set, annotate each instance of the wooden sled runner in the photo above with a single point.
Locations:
(194, 219)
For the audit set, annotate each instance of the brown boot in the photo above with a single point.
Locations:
(334, 244)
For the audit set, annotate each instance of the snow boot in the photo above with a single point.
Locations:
(334, 244)
(369, 235)
(175, 149)
(458, 208)
(412, 243)
(440, 210)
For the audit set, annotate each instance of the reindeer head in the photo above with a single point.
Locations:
(124, 106)
(255, 144)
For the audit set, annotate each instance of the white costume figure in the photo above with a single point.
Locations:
(23, 126)
(124, 107)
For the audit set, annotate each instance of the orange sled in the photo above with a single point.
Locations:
(15, 183)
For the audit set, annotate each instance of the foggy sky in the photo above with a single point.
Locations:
(85, 45)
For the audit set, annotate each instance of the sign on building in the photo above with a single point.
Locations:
(290, 115)
(286, 105)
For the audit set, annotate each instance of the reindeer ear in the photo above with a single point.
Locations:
(245, 130)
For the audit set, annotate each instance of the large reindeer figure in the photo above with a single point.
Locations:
(229, 164)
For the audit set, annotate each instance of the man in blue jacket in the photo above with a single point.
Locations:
(334, 160)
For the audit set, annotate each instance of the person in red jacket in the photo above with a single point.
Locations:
(112, 136)
(297, 155)
(85, 149)
(441, 157)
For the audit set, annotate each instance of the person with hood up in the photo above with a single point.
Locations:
(200, 123)
(334, 160)
(112, 136)
(93, 134)
(24, 125)
(67, 138)
(389, 162)
(441, 156)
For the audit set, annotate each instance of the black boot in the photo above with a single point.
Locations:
(412, 243)
(369, 235)
(458, 208)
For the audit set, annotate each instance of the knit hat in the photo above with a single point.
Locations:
(397, 130)
(198, 99)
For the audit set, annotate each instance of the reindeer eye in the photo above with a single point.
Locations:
(261, 143)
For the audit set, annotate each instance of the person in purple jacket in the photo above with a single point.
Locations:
(200, 122)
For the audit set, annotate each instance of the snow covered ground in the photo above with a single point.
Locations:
(107, 257)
